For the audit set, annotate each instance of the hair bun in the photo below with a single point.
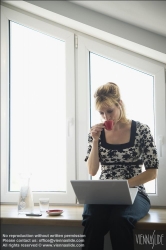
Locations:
(108, 95)
(106, 90)
(112, 88)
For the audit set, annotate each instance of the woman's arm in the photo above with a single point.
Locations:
(149, 158)
(93, 160)
(148, 175)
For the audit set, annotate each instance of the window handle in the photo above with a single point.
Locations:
(160, 144)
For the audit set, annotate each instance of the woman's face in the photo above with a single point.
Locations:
(110, 113)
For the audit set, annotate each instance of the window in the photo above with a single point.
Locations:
(37, 112)
(38, 107)
(137, 88)
(101, 63)
(52, 92)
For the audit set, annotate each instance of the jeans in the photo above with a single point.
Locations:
(119, 220)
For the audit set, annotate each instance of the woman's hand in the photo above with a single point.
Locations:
(93, 160)
(96, 131)
(148, 175)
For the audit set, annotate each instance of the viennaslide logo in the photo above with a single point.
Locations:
(155, 240)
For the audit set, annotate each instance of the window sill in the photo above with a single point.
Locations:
(72, 216)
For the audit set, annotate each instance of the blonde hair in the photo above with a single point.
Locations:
(107, 95)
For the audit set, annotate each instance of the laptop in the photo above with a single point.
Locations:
(104, 192)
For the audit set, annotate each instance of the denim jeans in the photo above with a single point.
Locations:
(119, 220)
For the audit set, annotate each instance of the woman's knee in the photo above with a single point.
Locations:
(93, 220)
(87, 219)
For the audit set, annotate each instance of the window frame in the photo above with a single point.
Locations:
(53, 30)
(79, 110)
(134, 60)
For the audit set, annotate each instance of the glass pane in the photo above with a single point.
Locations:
(136, 87)
(37, 109)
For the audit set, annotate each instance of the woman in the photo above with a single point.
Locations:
(121, 153)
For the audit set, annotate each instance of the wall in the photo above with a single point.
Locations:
(105, 23)
(97, 25)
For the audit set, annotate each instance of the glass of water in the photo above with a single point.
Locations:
(44, 204)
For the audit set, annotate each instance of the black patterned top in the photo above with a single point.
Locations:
(124, 161)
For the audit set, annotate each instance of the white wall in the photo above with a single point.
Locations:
(97, 25)
(105, 23)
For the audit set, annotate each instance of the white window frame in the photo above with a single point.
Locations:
(59, 33)
(79, 64)
(131, 59)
